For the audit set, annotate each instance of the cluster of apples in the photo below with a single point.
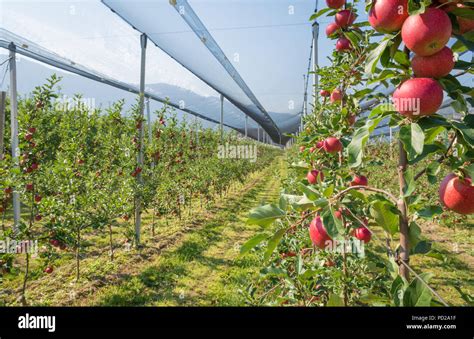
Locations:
(426, 35)
(343, 19)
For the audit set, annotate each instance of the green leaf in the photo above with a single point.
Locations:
(252, 242)
(429, 212)
(265, 215)
(414, 234)
(330, 223)
(422, 247)
(319, 13)
(398, 289)
(463, 12)
(273, 243)
(374, 56)
(309, 192)
(470, 170)
(417, 294)
(410, 184)
(360, 138)
(413, 139)
(466, 128)
(385, 215)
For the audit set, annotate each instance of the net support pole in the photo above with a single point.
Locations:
(258, 133)
(315, 61)
(14, 133)
(3, 102)
(246, 125)
(222, 119)
(140, 157)
(150, 127)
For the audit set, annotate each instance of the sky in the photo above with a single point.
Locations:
(90, 34)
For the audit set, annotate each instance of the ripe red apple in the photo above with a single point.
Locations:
(427, 33)
(318, 233)
(324, 93)
(38, 217)
(48, 270)
(359, 180)
(338, 213)
(335, 4)
(437, 65)
(388, 16)
(34, 166)
(343, 44)
(336, 95)
(345, 18)
(332, 28)
(54, 242)
(363, 233)
(8, 190)
(457, 194)
(312, 176)
(29, 187)
(32, 130)
(418, 97)
(312, 149)
(28, 137)
(38, 198)
(302, 148)
(320, 144)
(332, 145)
(125, 217)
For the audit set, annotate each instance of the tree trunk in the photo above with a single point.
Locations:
(403, 219)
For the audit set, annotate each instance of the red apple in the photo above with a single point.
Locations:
(8, 190)
(34, 166)
(28, 137)
(345, 18)
(343, 44)
(336, 95)
(302, 148)
(38, 217)
(312, 176)
(318, 233)
(359, 180)
(320, 144)
(48, 270)
(427, 33)
(332, 28)
(437, 65)
(32, 130)
(324, 93)
(29, 187)
(363, 233)
(388, 16)
(62, 246)
(418, 97)
(335, 4)
(338, 214)
(332, 145)
(457, 194)
(38, 198)
(54, 242)
(312, 149)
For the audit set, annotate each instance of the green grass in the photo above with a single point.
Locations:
(192, 261)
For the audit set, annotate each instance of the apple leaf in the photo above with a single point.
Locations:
(413, 139)
(410, 184)
(374, 56)
(330, 223)
(252, 242)
(417, 294)
(414, 234)
(429, 212)
(265, 215)
(385, 215)
(360, 138)
(273, 243)
(335, 300)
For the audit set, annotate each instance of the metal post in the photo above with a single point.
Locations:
(150, 127)
(246, 124)
(315, 58)
(258, 133)
(222, 118)
(14, 133)
(3, 101)
(138, 207)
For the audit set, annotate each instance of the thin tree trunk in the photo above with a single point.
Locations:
(403, 219)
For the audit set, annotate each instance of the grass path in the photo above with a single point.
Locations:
(203, 268)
